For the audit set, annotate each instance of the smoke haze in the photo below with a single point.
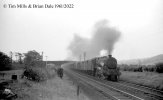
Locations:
(103, 38)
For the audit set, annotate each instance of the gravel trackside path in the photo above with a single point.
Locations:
(58, 89)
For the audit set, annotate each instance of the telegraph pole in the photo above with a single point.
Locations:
(79, 63)
(42, 55)
(80, 58)
(46, 60)
(84, 55)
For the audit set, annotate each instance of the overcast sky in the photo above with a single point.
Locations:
(51, 30)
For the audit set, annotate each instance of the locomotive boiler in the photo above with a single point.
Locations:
(110, 70)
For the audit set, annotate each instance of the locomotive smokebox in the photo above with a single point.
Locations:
(110, 55)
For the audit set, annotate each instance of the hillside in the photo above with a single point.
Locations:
(144, 61)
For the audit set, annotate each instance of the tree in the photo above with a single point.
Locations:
(32, 57)
(5, 61)
(11, 55)
(16, 56)
(20, 57)
(159, 67)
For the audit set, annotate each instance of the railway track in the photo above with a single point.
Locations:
(157, 93)
(126, 90)
(109, 91)
(147, 94)
(145, 87)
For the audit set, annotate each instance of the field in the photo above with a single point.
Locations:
(150, 79)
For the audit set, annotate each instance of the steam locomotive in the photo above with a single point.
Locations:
(101, 67)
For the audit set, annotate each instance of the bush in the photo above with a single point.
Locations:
(137, 68)
(5, 62)
(33, 74)
(149, 69)
(38, 73)
(159, 67)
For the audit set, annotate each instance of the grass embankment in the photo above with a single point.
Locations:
(51, 89)
(151, 79)
(17, 66)
(43, 84)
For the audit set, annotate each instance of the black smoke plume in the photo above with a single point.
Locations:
(103, 38)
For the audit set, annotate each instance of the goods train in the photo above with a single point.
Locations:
(101, 67)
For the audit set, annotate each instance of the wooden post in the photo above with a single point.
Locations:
(78, 90)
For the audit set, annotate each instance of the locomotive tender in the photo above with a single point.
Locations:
(101, 67)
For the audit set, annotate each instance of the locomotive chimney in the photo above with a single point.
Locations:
(109, 54)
